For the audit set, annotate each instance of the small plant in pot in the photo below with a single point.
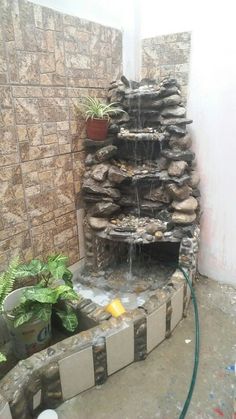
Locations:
(28, 310)
(97, 115)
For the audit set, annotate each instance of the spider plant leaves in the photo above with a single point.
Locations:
(95, 108)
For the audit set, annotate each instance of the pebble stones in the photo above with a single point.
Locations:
(158, 235)
(152, 228)
(148, 237)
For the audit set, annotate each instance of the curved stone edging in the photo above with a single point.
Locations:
(62, 371)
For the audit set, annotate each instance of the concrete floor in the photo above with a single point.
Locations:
(157, 387)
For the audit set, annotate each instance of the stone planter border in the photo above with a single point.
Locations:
(64, 370)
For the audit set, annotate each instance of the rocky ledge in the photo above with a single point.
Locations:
(143, 185)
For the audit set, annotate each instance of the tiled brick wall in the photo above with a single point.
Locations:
(167, 55)
(47, 61)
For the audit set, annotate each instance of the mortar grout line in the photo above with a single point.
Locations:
(71, 141)
(43, 86)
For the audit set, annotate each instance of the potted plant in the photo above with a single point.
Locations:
(97, 115)
(28, 310)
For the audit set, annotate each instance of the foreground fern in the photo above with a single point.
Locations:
(7, 280)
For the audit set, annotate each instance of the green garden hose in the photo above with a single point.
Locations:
(197, 346)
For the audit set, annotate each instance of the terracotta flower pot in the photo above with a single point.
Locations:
(97, 129)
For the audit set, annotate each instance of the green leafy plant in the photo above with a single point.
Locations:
(95, 108)
(49, 293)
(54, 268)
(2, 357)
(7, 280)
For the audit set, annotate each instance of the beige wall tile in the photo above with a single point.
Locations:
(120, 349)
(77, 373)
(156, 327)
(5, 413)
(37, 399)
(177, 307)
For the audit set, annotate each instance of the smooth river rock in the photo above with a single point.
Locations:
(182, 218)
(176, 129)
(117, 175)
(99, 172)
(185, 155)
(97, 223)
(177, 168)
(100, 188)
(104, 209)
(188, 205)
(105, 153)
(179, 192)
(194, 179)
(182, 143)
(158, 194)
(173, 111)
(174, 121)
(158, 235)
(152, 228)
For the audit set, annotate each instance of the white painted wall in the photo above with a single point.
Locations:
(212, 105)
(122, 14)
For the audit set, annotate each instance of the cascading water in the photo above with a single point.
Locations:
(130, 260)
(136, 189)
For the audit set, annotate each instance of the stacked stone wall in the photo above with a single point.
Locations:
(167, 55)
